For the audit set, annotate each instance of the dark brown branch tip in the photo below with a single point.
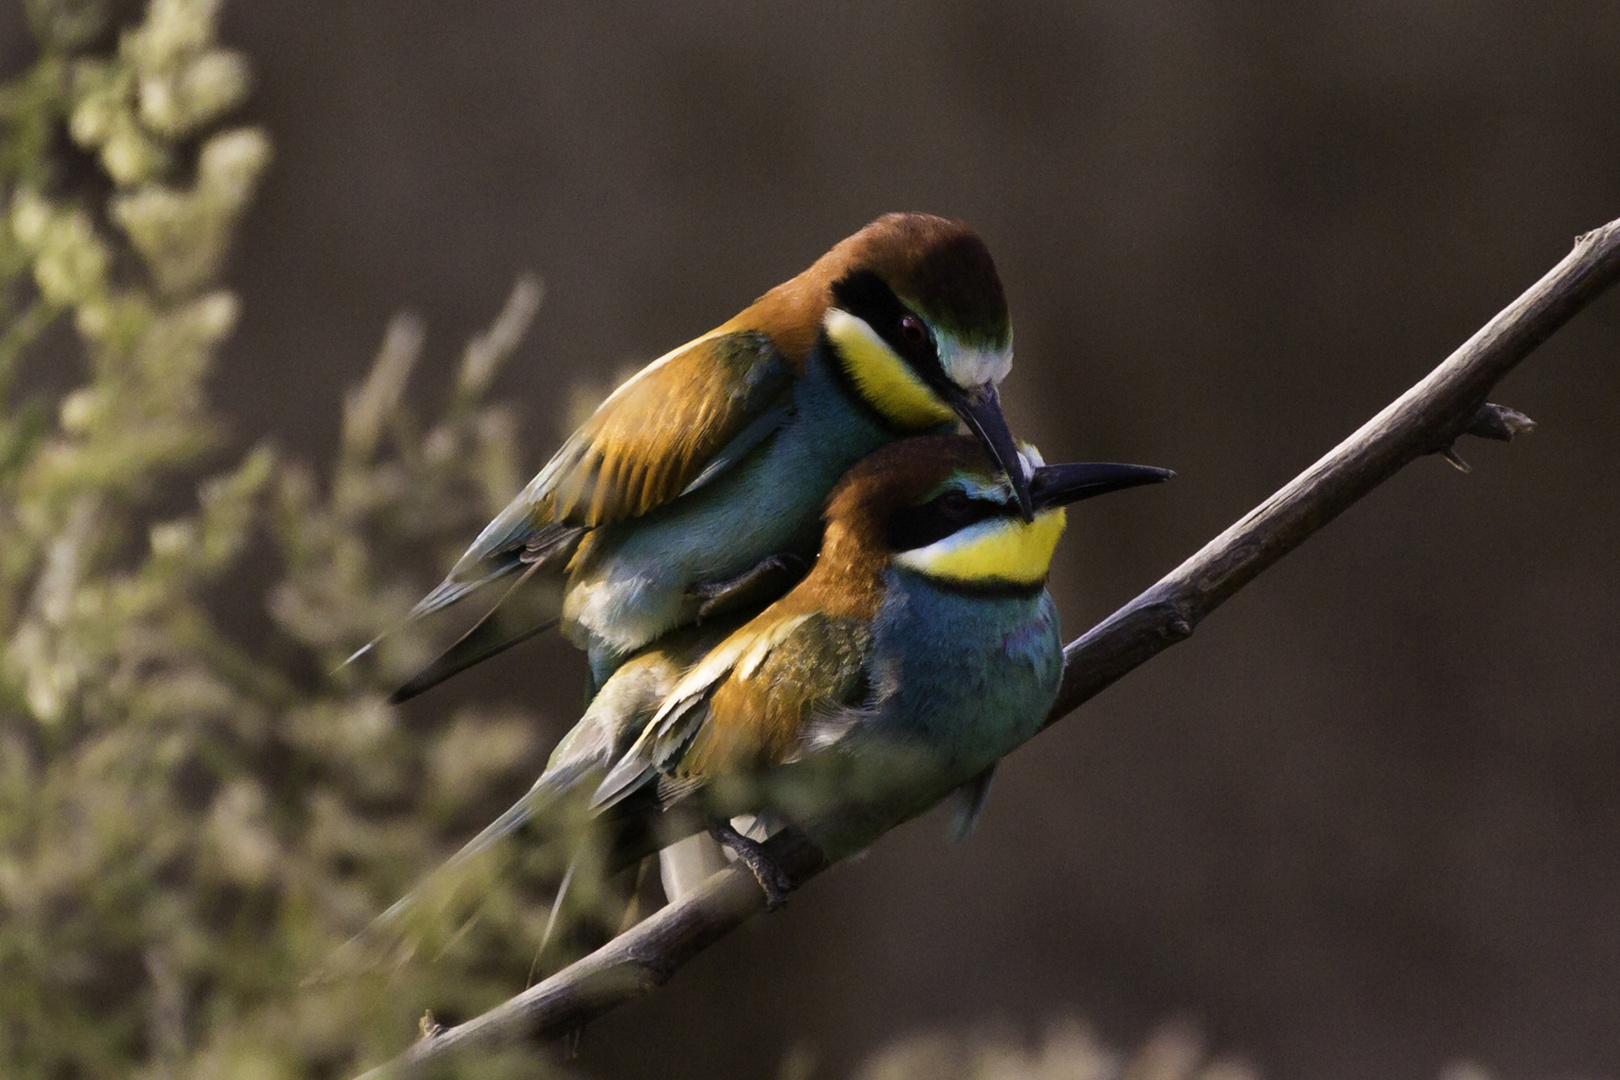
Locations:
(1499, 422)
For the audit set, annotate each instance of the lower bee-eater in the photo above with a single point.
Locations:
(920, 649)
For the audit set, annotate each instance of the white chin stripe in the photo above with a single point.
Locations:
(970, 365)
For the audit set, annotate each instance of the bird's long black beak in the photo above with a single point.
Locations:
(980, 408)
(1059, 485)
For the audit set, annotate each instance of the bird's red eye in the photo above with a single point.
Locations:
(911, 330)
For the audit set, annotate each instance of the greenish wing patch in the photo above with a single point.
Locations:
(759, 715)
(644, 761)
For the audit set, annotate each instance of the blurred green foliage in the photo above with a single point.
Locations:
(189, 826)
(1065, 1050)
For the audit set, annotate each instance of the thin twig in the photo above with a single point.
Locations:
(1427, 419)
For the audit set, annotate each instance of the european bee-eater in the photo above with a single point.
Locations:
(694, 488)
(921, 648)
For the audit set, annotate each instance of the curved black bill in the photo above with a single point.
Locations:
(981, 410)
(1059, 485)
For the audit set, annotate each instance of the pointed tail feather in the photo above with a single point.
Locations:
(518, 615)
(545, 791)
(524, 547)
(614, 719)
(446, 593)
(448, 897)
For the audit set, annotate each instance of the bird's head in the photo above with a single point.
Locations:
(941, 507)
(918, 322)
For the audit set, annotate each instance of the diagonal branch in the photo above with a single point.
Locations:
(1428, 418)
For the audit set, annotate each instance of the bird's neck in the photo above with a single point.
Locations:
(848, 578)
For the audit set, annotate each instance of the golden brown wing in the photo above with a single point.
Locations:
(685, 418)
(745, 706)
(662, 430)
(755, 721)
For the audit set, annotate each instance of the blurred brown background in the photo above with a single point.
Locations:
(1367, 820)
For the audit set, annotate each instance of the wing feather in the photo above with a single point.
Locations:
(650, 440)
(659, 431)
(745, 705)
(684, 419)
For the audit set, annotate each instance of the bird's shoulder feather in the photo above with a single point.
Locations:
(745, 706)
(662, 430)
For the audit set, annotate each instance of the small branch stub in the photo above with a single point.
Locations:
(1492, 421)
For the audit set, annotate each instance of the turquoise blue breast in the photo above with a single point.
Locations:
(972, 674)
(958, 681)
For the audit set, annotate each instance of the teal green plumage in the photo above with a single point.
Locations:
(713, 462)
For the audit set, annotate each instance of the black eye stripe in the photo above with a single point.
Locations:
(867, 296)
(912, 527)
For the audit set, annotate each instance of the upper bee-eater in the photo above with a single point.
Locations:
(694, 488)
(921, 647)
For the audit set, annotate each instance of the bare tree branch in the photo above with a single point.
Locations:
(1428, 418)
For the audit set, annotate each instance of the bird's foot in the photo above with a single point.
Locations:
(757, 586)
(751, 853)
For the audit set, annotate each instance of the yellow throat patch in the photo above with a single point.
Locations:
(884, 380)
(997, 551)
